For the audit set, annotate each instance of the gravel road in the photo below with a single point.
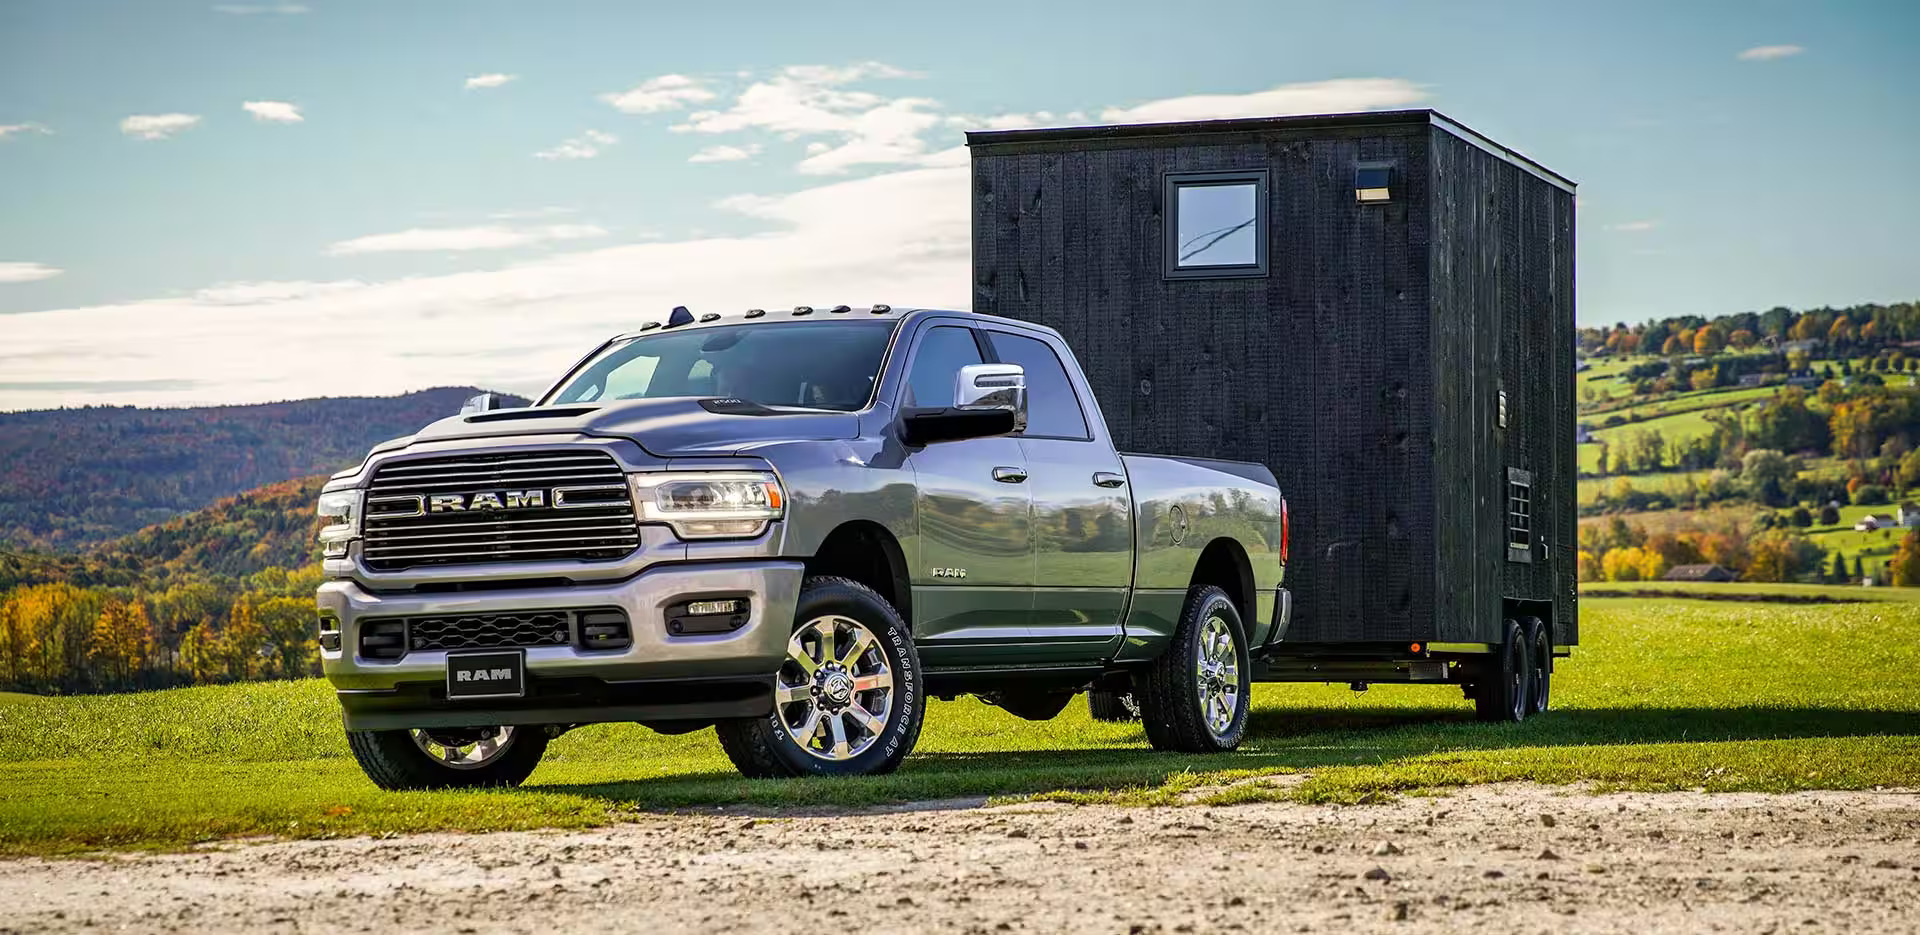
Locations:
(1517, 859)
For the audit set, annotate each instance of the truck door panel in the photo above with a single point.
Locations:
(1082, 514)
(973, 542)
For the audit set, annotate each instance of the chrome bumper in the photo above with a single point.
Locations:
(567, 684)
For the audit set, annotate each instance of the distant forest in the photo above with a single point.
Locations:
(1872, 331)
(74, 478)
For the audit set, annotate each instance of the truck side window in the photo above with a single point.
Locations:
(1053, 410)
(936, 365)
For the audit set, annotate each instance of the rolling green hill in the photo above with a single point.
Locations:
(74, 478)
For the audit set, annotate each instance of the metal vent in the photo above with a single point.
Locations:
(492, 508)
(596, 628)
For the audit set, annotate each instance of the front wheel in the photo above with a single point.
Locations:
(1194, 698)
(449, 758)
(846, 702)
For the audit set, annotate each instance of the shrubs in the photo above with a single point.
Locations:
(1869, 495)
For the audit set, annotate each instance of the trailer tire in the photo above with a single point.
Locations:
(1194, 697)
(832, 610)
(1501, 692)
(398, 760)
(1112, 706)
(1540, 659)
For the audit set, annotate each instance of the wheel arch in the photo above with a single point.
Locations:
(867, 552)
(1224, 564)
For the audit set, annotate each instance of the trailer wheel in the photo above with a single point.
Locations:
(1540, 660)
(1501, 693)
(1112, 706)
(1194, 698)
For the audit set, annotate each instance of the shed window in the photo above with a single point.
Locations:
(1520, 534)
(1216, 224)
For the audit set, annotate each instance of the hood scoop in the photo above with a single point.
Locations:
(545, 412)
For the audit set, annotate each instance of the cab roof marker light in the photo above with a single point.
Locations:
(840, 309)
(710, 316)
(756, 312)
(803, 310)
(881, 309)
(649, 326)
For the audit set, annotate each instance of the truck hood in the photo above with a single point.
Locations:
(666, 428)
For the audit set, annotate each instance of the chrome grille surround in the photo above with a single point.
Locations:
(585, 512)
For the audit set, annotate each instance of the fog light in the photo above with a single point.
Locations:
(707, 615)
(703, 608)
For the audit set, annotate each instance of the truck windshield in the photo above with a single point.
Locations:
(815, 365)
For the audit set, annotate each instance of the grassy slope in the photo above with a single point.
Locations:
(1662, 694)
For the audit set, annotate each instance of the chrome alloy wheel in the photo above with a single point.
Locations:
(464, 748)
(1217, 665)
(835, 691)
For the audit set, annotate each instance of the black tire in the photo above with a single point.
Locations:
(1501, 693)
(1540, 661)
(394, 760)
(1170, 704)
(764, 747)
(1112, 706)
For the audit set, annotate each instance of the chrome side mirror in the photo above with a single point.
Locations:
(485, 402)
(993, 387)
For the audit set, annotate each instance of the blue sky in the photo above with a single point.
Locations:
(207, 202)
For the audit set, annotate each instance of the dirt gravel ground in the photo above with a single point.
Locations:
(1516, 859)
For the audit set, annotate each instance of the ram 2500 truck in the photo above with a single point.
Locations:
(794, 527)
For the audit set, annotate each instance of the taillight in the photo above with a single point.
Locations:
(1286, 531)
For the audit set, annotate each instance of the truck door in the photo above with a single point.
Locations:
(973, 554)
(1082, 519)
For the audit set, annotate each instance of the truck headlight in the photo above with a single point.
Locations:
(709, 505)
(341, 510)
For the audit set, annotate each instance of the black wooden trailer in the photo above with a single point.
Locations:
(1378, 306)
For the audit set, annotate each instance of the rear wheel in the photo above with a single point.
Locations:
(1194, 697)
(847, 701)
(448, 758)
(1540, 661)
(1501, 692)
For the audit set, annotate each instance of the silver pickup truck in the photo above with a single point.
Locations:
(794, 527)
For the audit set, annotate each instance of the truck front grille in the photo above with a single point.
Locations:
(489, 508)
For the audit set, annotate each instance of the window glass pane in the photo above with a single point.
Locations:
(1216, 225)
(1052, 407)
(936, 366)
(819, 365)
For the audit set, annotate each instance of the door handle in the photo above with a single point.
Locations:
(1108, 479)
(1010, 475)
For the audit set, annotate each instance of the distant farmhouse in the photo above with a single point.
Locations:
(1717, 573)
(1873, 521)
(1908, 515)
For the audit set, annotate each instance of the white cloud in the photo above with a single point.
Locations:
(253, 9)
(667, 92)
(725, 153)
(1634, 227)
(491, 80)
(459, 239)
(27, 272)
(899, 237)
(157, 126)
(9, 129)
(273, 111)
(585, 146)
(1767, 53)
(1340, 95)
(812, 100)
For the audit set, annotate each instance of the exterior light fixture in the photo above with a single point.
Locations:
(1372, 182)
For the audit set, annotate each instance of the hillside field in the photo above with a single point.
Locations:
(1662, 694)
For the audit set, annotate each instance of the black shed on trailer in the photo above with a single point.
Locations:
(1377, 306)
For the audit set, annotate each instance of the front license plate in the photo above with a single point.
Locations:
(487, 675)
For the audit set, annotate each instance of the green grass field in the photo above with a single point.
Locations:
(1661, 694)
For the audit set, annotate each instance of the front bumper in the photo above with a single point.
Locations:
(659, 678)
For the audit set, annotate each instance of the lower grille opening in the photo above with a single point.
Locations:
(597, 628)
